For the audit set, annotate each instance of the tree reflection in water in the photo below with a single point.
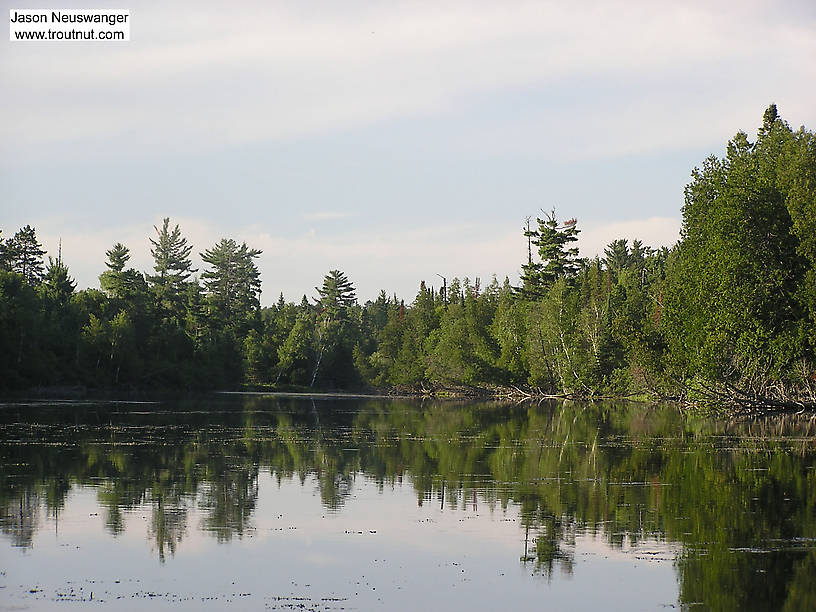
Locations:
(738, 498)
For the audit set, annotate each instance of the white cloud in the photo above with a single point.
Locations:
(196, 77)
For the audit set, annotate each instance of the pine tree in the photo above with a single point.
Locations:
(335, 331)
(173, 267)
(112, 280)
(616, 255)
(125, 284)
(118, 256)
(233, 283)
(532, 285)
(4, 265)
(560, 260)
(557, 258)
(57, 286)
(24, 254)
(337, 292)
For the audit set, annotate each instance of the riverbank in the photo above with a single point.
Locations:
(710, 404)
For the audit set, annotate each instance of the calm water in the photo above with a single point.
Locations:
(254, 502)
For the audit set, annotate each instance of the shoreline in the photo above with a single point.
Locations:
(734, 407)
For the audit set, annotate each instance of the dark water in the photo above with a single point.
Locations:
(272, 503)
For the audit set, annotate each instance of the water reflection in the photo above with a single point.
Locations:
(738, 498)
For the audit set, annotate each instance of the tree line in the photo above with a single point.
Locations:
(727, 314)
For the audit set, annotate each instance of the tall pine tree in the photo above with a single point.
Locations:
(24, 254)
(233, 282)
(557, 258)
(173, 267)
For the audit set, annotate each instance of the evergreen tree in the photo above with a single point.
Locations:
(118, 256)
(114, 280)
(732, 310)
(532, 283)
(279, 320)
(57, 286)
(233, 283)
(24, 254)
(127, 287)
(4, 264)
(374, 319)
(336, 330)
(557, 258)
(337, 292)
(458, 351)
(173, 267)
(616, 255)
(509, 332)
(20, 322)
(796, 178)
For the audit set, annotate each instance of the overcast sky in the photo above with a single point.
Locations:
(392, 140)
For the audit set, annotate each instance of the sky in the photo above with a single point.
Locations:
(395, 141)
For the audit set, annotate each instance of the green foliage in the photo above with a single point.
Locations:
(57, 286)
(232, 284)
(18, 323)
(557, 258)
(336, 294)
(296, 353)
(509, 330)
(734, 302)
(128, 285)
(728, 312)
(558, 356)
(462, 350)
(796, 178)
(24, 254)
(335, 332)
(173, 267)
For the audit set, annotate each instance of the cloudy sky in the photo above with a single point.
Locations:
(392, 140)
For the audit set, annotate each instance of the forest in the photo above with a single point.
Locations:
(727, 315)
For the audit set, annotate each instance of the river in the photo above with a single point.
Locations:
(264, 502)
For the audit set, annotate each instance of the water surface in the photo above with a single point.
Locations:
(256, 502)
